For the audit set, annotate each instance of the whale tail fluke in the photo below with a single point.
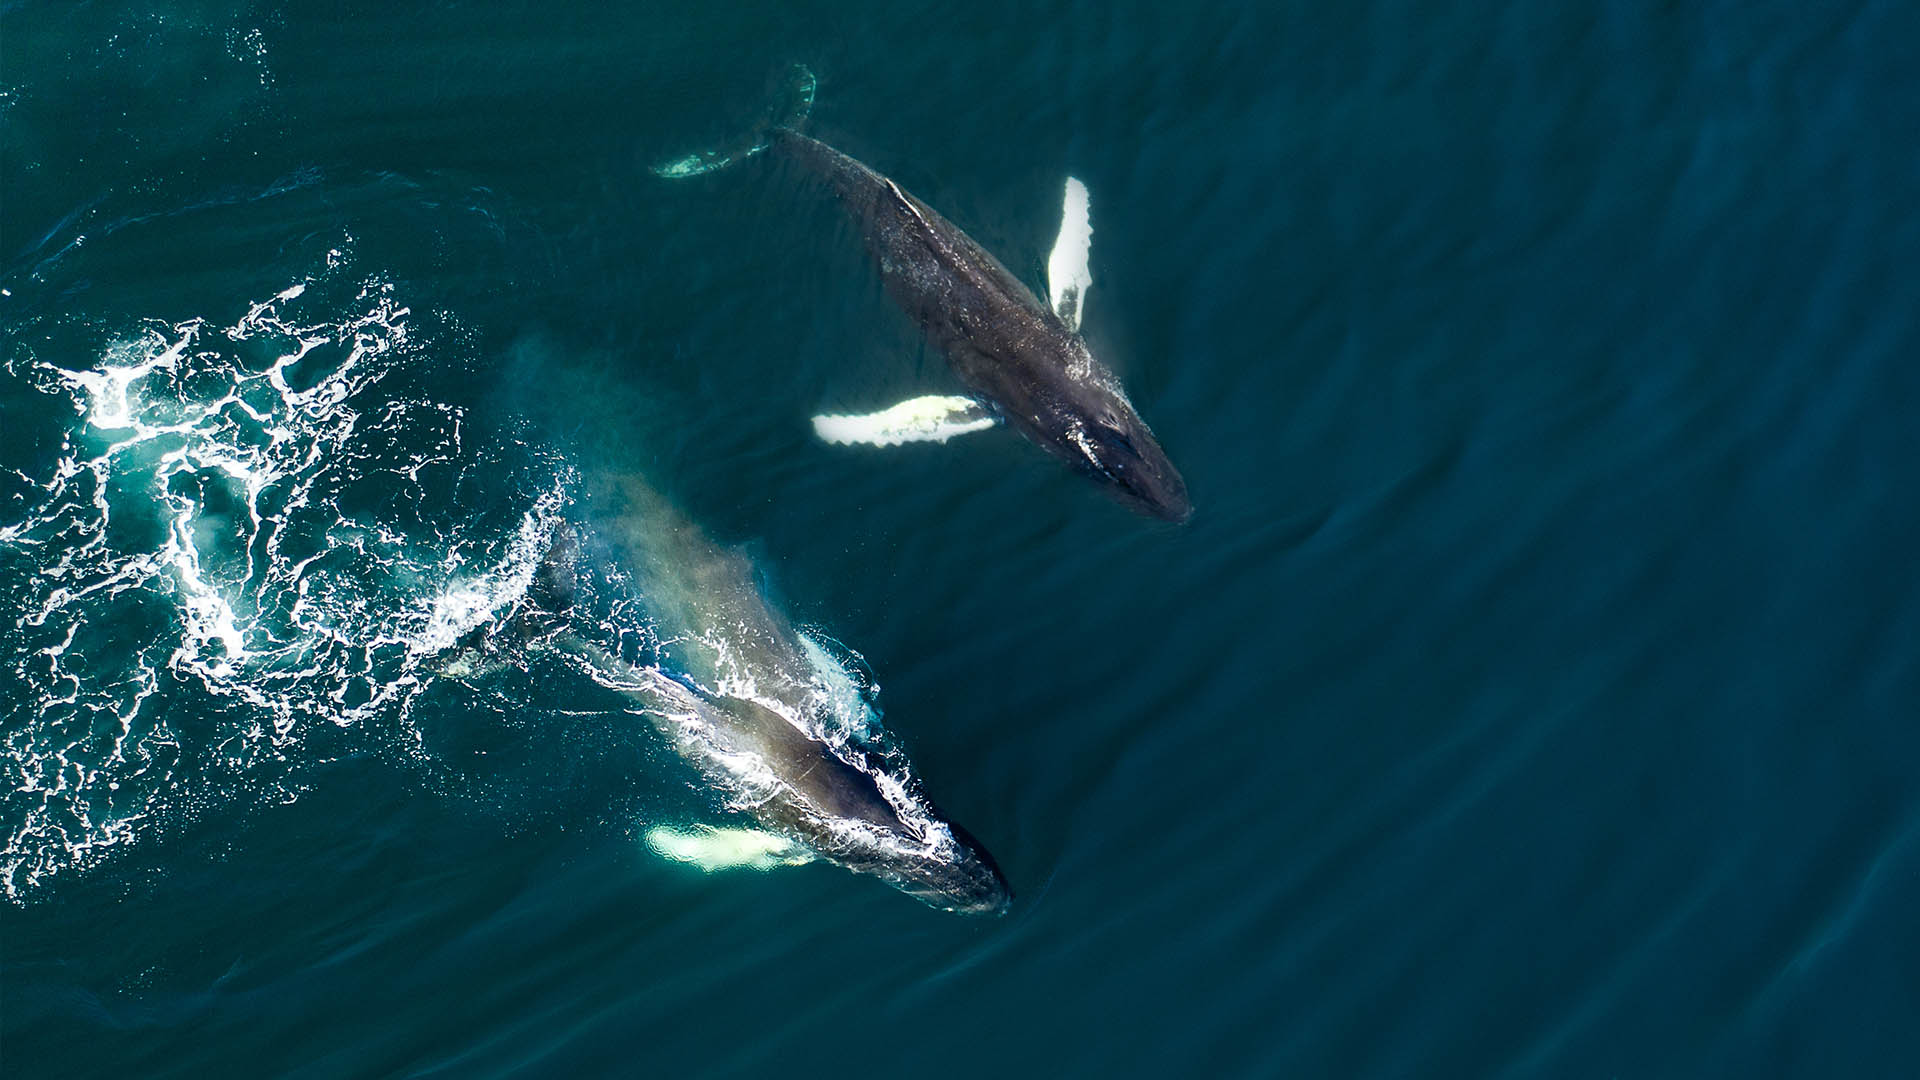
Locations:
(538, 615)
(788, 112)
(795, 104)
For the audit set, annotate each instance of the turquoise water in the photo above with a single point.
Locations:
(1531, 694)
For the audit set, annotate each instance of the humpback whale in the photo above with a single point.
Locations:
(1022, 361)
(767, 715)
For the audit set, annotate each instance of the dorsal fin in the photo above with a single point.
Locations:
(908, 203)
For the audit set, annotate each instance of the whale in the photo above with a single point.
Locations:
(1021, 361)
(767, 715)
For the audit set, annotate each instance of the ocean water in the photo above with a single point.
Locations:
(1533, 692)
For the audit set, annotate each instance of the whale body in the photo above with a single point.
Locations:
(1021, 359)
(1010, 349)
(761, 711)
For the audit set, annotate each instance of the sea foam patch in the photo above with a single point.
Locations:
(206, 527)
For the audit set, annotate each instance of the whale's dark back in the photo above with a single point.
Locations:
(1004, 344)
(966, 301)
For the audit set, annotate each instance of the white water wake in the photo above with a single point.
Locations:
(243, 550)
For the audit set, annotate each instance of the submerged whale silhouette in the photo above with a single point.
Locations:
(1021, 359)
(752, 703)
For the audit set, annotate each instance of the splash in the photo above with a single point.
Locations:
(238, 565)
(827, 694)
(255, 547)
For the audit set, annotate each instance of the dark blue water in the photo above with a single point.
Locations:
(1533, 692)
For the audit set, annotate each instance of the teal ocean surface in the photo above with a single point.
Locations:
(1533, 691)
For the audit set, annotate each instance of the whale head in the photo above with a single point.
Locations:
(943, 867)
(1112, 445)
(908, 843)
(1056, 394)
(961, 877)
(830, 798)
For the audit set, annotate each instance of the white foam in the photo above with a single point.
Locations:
(469, 603)
(236, 574)
(841, 694)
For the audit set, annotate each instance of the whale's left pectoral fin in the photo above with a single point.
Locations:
(713, 849)
(1068, 278)
(935, 418)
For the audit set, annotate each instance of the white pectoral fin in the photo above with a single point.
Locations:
(713, 849)
(935, 418)
(1068, 278)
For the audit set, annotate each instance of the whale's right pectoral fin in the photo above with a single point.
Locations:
(1068, 278)
(935, 418)
(713, 849)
